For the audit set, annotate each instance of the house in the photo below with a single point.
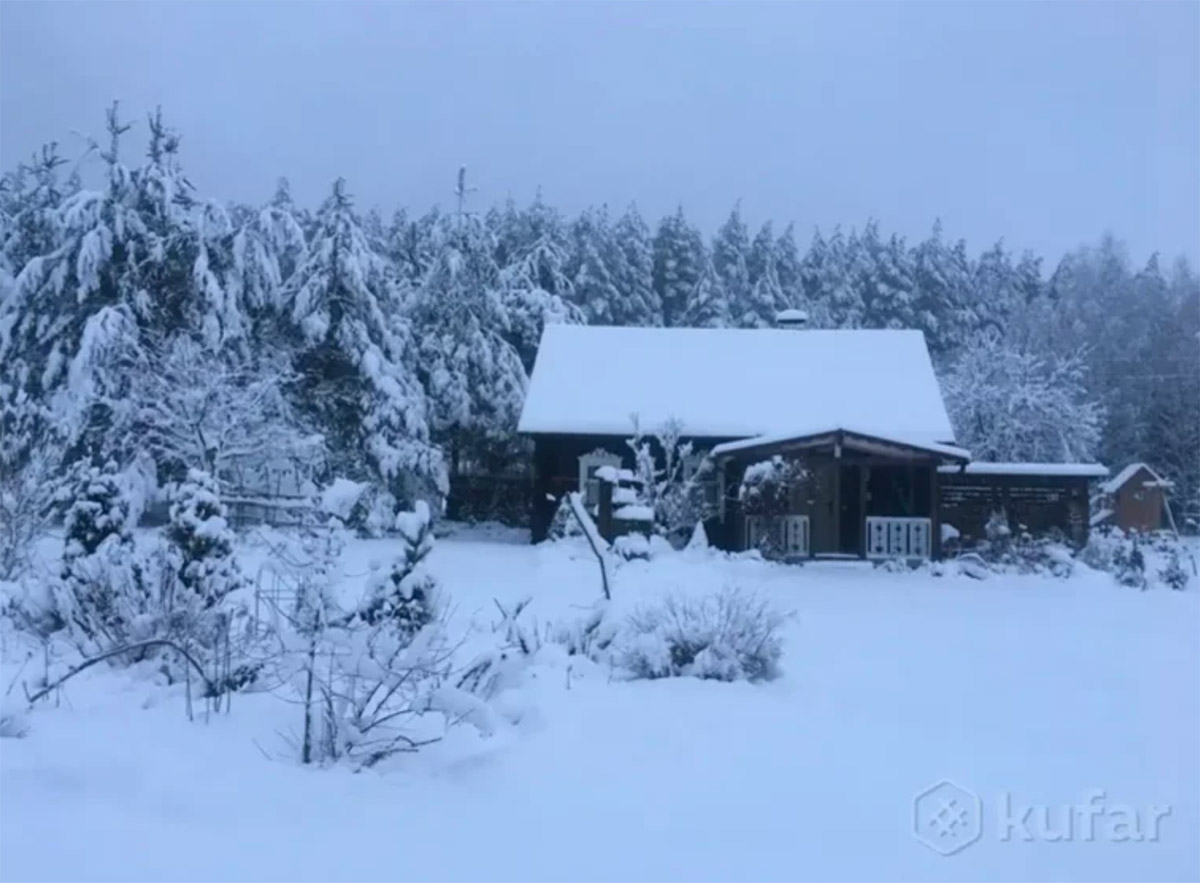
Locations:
(860, 411)
(1133, 500)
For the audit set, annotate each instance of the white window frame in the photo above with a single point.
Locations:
(592, 461)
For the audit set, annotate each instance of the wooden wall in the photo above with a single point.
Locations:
(1137, 507)
(1040, 504)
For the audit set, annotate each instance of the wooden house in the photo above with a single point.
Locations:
(859, 411)
(1134, 499)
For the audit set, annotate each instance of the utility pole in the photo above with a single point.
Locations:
(462, 191)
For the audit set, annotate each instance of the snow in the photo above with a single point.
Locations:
(1075, 470)
(1118, 481)
(949, 532)
(801, 432)
(784, 316)
(634, 513)
(341, 496)
(1038, 688)
(1100, 517)
(733, 383)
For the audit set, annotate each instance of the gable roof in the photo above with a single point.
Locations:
(734, 383)
(1122, 478)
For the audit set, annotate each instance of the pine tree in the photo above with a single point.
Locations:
(707, 306)
(473, 377)
(355, 356)
(593, 289)
(532, 253)
(679, 266)
(202, 543)
(730, 254)
(633, 272)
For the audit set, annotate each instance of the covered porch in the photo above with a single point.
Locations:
(838, 493)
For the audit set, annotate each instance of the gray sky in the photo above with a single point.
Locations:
(1044, 123)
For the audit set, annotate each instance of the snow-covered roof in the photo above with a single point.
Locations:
(1118, 481)
(733, 383)
(800, 433)
(1075, 470)
(1100, 517)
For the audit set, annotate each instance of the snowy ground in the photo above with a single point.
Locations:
(1037, 689)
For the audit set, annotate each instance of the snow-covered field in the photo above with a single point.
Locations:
(1029, 691)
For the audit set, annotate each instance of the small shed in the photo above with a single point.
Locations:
(1039, 497)
(1133, 500)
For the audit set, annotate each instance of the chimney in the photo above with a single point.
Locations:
(791, 319)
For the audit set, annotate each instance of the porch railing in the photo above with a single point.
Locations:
(783, 535)
(895, 537)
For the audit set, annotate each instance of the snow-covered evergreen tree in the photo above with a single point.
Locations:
(103, 597)
(202, 542)
(730, 257)
(630, 261)
(472, 375)
(355, 359)
(680, 263)
(593, 288)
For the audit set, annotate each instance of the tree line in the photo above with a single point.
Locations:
(401, 346)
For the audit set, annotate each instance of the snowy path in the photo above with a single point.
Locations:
(1043, 688)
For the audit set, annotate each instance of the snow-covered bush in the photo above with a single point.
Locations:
(366, 678)
(1007, 551)
(674, 486)
(522, 644)
(1138, 560)
(1172, 574)
(563, 524)
(405, 594)
(104, 595)
(632, 545)
(727, 636)
(766, 485)
(202, 543)
(1129, 565)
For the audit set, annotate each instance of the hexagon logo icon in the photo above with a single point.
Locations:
(947, 818)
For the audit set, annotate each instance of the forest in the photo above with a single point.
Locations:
(145, 326)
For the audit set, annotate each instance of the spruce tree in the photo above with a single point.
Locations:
(355, 356)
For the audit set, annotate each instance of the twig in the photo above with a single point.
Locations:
(128, 648)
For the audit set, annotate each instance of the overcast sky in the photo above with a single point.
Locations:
(1044, 123)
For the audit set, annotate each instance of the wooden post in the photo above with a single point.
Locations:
(863, 473)
(935, 515)
(604, 509)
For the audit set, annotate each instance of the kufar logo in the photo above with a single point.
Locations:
(947, 817)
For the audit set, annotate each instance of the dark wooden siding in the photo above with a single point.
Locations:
(1039, 504)
(1137, 507)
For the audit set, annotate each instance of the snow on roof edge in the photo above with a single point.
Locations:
(896, 438)
(1078, 470)
(1118, 481)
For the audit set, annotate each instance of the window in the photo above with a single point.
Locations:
(589, 485)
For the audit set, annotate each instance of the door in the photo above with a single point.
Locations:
(850, 509)
(823, 508)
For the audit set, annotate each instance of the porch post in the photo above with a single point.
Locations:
(863, 473)
(935, 517)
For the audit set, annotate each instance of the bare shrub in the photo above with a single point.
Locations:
(728, 636)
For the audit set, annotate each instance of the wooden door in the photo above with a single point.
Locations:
(823, 511)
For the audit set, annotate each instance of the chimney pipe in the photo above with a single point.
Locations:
(791, 319)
